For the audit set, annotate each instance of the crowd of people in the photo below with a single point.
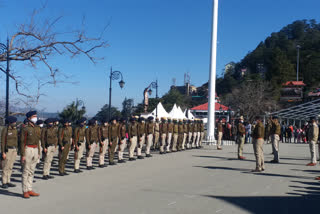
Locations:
(36, 138)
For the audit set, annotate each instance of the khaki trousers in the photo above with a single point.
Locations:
(102, 151)
(40, 151)
(29, 166)
(156, 140)
(48, 160)
(141, 144)
(163, 142)
(90, 153)
(133, 145)
(198, 139)
(201, 138)
(79, 154)
(175, 142)
(122, 147)
(275, 146)
(8, 165)
(194, 139)
(149, 143)
(241, 140)
(64, 157)
(184, 140)
(220, 134)
(180, 140)
(113, 143)
(169, 141)
(258, 152)
(189, 140)
(312, 145)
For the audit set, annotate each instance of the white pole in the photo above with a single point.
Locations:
(212, 77)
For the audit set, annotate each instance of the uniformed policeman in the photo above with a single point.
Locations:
(150, 131)
(123, 140)
(258, 140)
(241, 133)
(169, 134)
(64, 140)
(79, 140)
(114, 133)
(49, 143)
(156, 134)
(142, 136)
(194, 133)
(185, 133)
(92, 140)
(313, 134)
(180, 133)
(39, 126)
(175, 134)
(189, 142)
(133, 137)
(201, 133)
(163, 134)
(104, 135)
(30, 153)
(275, 132)
(220, 134)
(9, 145)
(198, 133)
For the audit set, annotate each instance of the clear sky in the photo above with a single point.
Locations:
(149, 40)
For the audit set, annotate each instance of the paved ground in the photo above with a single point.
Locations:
(196, 181)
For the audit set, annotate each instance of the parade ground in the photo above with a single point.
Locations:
(194, 181)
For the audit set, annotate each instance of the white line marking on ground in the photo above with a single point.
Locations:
(172, 203)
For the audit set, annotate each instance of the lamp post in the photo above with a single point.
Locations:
(5, 49)
(114, 75)
(298, 59)
(154, 85)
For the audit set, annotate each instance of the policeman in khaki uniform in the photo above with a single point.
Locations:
(163, 134)
(275, 132)
(92, 140)
(150, 131)
(9, 145)
(201, 133)
(142, 136)
(194, 133)
(123, 140)
(169, 134)
(65, 140)
(258, 140)
(114, 134)
(49, 143)
(241, 133)
(30, 153)
(79, 140)
(220, 134)
(198, 134)
(104, 135)
(156, 134)
(175, 135)
(185, 133)
(189, 143)
(313, 134)
(133, 137)
(180, 135)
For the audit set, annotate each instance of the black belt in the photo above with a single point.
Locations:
(11, 147)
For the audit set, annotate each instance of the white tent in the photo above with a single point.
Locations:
(161, 112)
(176, 112)
(188, 114)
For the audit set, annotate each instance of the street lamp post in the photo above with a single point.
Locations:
(114, 75)
(5, 49)
(154, 85)
(298, 59)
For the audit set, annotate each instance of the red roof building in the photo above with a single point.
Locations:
(204, 107)
(292, 91)
(294, 83)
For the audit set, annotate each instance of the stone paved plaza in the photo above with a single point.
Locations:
(195, 181)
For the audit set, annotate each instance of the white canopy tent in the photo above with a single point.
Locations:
(176, 113)
(161, 112)
(188, 114)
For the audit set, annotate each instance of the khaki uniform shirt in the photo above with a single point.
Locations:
(9, 138)
(64, 136)
(29, 136)
(133, 130)
(49, 137)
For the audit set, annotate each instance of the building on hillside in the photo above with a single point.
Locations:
(186, 89)
(292, 91)
(229, 68)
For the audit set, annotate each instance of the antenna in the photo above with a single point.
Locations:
(174, 81)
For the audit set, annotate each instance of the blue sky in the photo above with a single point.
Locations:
(149, 40)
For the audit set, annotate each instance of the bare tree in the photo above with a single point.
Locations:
(252, 99)
(37, 41)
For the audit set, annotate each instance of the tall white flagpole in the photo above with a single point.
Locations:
(212, 77)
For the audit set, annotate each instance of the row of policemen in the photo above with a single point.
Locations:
(111, 136)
